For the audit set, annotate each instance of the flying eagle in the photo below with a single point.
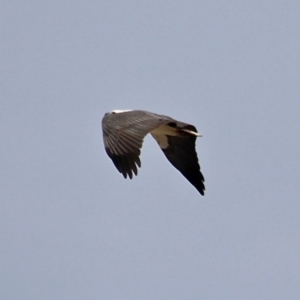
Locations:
(123, 134)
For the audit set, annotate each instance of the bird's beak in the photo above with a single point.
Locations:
(192, 132)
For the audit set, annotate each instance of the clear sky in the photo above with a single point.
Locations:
(72, 228)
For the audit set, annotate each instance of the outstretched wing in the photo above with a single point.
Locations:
(123, 135)
(181, 153)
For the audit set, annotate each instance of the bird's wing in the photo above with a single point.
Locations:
(123, 135)
(181, 153)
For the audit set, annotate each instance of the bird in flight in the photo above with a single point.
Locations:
(124, 132)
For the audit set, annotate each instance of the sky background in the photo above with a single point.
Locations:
(72, 228)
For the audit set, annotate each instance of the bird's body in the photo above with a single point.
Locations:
(123, 134)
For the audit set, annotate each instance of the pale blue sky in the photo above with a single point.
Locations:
(72, 227)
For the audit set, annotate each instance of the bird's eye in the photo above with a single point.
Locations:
(172, 124)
